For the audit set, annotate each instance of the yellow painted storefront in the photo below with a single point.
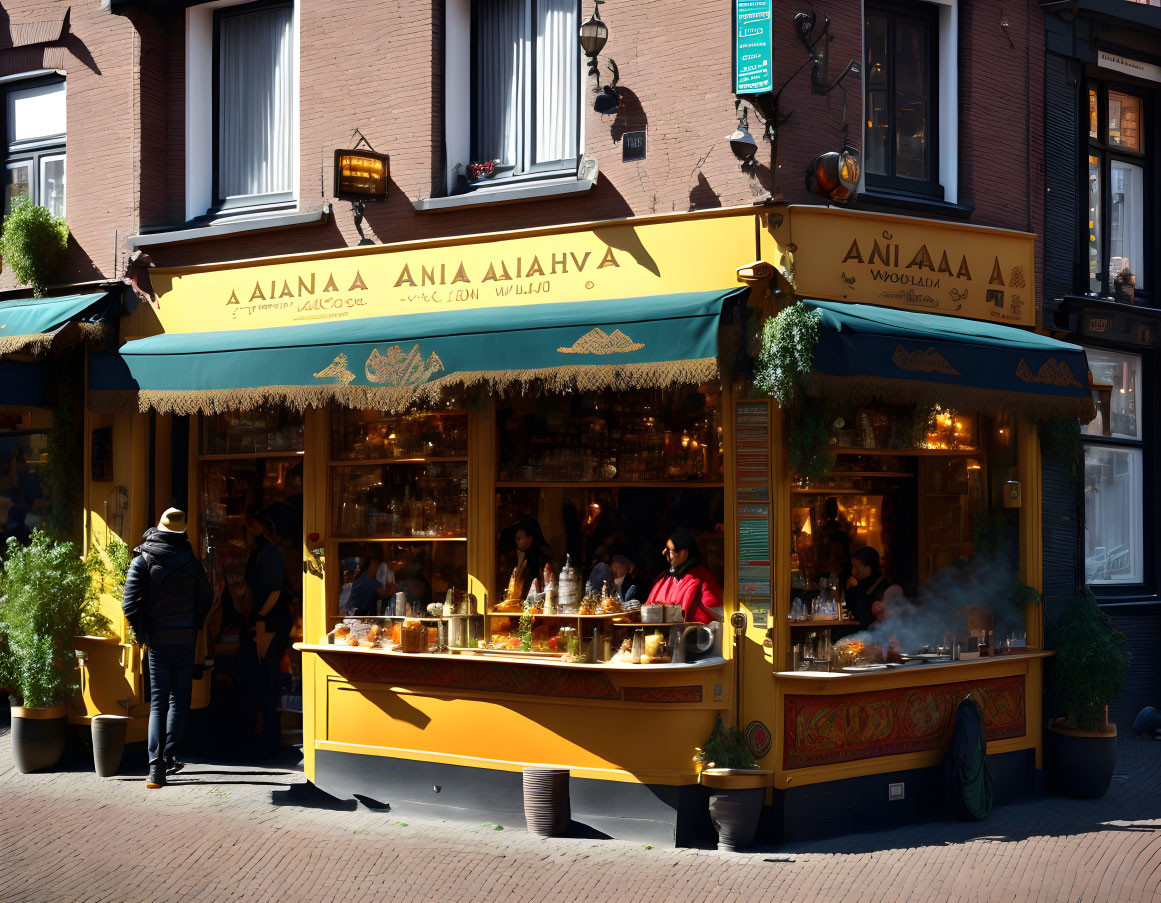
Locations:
(456, 730)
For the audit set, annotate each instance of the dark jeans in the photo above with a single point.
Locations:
(170, 685)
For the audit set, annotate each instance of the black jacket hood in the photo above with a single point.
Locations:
(170, 550)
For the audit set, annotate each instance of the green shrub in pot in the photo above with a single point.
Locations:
(1092, 658)
(33, 243)
(42, 595)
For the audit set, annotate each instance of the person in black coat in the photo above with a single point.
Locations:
(167, 598)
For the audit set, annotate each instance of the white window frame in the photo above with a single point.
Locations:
(948, 150)
(1135, 515)
(31, 152)
(199, 110)
(457, 111)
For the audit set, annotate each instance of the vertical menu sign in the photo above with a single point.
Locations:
(753, 477)
(753, 46)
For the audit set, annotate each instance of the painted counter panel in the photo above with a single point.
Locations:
(826, 730)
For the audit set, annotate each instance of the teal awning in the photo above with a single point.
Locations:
(389, 362)
(903, 356)
(30, 325)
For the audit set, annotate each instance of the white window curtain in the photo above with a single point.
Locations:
(527, 82)
(500, 81)
(557, 76)
(255, 103)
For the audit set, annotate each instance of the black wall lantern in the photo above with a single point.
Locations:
(835, 175)
(593, 35)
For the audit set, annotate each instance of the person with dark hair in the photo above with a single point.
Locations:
(532, 554)
(865, 586)
(688, 583)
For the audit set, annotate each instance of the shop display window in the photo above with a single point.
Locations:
(372, 435)
(399, 485)
(252, 432)
(873, 545)
(23, 451)
(401, 500)
(599, 482)
(653, 436)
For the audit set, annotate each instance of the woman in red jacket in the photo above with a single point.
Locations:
(688, 583)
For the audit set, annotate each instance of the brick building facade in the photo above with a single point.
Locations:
(383, 72)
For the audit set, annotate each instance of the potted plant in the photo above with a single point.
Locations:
(1089, 672)
(738, 786)
(42, 595)
(33, 243)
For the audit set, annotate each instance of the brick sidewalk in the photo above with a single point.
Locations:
(222, 833)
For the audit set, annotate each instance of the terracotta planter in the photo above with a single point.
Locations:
(38, 737)
(735, 805)
(1082, 762)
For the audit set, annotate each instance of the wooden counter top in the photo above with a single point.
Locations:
(483, 656)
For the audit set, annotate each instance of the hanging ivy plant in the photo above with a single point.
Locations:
(788, 342)
(33, 243)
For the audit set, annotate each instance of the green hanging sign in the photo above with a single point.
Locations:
(753, 46)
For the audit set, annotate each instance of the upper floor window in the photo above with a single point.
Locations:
(254, 95)
(527, 66)
(241, 106)
(902, 97)
(34, 134)
(1116, 219)
(517, 100)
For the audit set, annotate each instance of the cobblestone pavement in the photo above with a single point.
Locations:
(222, 833)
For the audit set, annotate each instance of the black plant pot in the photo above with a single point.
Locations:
(1082, 762)
(735, 804)
(38, 737)
(108, 743)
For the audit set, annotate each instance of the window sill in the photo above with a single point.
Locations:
(915, 203)
(511, 194)
(229, 225)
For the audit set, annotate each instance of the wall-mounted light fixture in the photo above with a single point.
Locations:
(361, 175)
(742, 143)
(593, 35)
(835, 175)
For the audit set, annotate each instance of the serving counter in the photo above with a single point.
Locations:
(449, 735)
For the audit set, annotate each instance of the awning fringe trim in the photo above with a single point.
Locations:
(583, 378)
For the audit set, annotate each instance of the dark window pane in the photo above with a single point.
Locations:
(911, 101)
(1094, 224)
(878, 114)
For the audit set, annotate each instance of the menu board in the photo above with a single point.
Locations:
(753, 475)
(753, 46)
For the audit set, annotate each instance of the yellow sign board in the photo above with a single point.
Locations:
(915, 264)
(593, 262)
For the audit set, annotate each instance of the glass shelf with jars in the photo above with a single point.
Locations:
(423, 500)
(611, 438)
(368, 436)
(252, 433)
